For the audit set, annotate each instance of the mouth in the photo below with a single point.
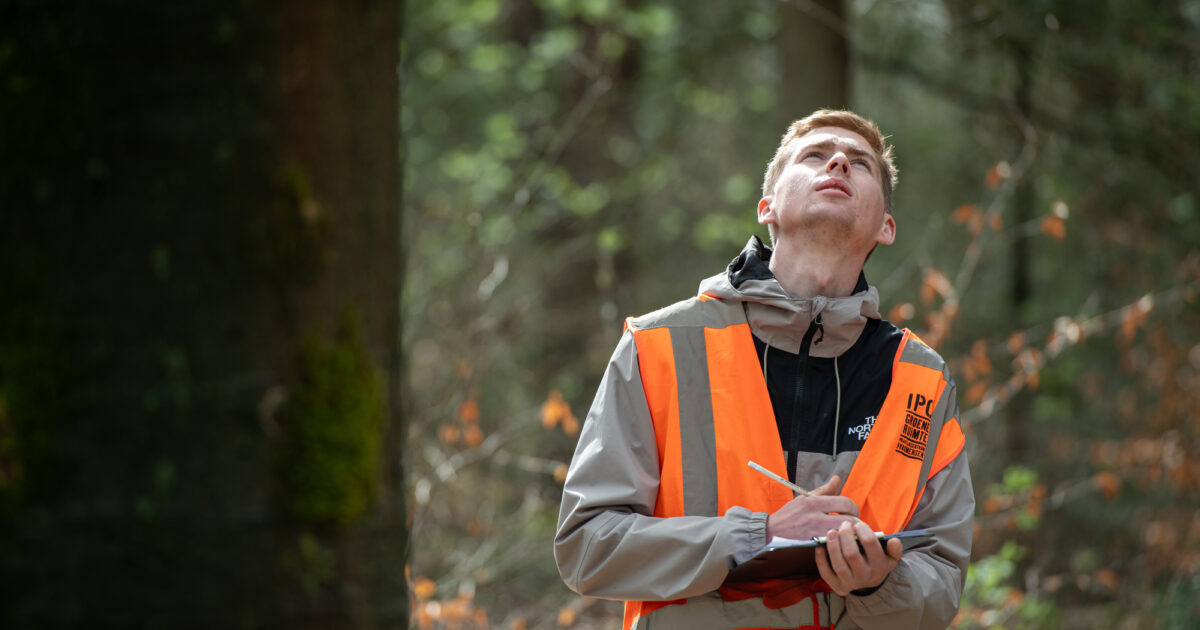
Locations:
(834, 183)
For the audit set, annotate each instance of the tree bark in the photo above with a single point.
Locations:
(190, 194)
(815, 57)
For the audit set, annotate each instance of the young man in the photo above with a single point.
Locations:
(782, 360)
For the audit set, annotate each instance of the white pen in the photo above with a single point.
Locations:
(821, 540)
(781, 480)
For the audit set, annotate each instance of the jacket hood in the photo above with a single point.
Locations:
(780, 319)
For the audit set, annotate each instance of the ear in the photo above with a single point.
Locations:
(887, 231)
(766, 214)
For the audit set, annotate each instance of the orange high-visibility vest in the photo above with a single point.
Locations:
(712, 414)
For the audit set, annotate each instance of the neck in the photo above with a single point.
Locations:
(809, 272)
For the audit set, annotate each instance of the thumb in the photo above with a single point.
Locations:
(831, 487)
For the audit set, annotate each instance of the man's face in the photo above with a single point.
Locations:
(830, 190)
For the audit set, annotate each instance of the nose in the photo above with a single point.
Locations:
(838, 163)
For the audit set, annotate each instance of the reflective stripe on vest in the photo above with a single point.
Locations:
(710, 422)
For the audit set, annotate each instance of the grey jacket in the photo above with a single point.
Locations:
(608, 545)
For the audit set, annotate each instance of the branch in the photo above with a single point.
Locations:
(1068, 331)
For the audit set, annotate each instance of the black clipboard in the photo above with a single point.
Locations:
(783, 557)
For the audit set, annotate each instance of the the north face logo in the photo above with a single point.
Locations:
(915, 434)
(863, 430)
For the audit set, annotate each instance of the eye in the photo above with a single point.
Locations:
(812, 154)
(862, 163)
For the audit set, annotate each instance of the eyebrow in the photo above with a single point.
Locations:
(831, 145)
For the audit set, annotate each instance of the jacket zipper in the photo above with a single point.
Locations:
(798, 393)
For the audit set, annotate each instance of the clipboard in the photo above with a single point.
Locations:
(786, 557)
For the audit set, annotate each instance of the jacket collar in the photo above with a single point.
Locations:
(780, 319)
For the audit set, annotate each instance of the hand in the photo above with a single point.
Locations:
(845, 568)
(807, 516)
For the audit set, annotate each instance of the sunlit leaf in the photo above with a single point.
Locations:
(424, 588)
(567, 616)
(553, 410)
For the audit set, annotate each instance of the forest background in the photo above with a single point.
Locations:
(302, 303)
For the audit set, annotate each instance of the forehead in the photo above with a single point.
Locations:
(836, 137)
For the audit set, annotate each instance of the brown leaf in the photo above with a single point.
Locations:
(424, 588)
(473, 435)
(996, 175)
(900, 313)
(934, 284)
(456, 609)
(1107, 578)
(424, 618)
(965, 213)
(976, 392)
(570, 423)
(1016, 341)
(1054, 227)
(468, 411)
(552, 410)
(979, 358)
(1109, 483)
(1134, 315)
(449, 434)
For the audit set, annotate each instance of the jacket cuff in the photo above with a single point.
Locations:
(749, 531)
(883, 599)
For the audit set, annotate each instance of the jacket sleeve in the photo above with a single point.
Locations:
(608, 545)
(925, 588)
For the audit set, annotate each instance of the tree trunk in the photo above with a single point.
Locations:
(815, 57)
(201, 218)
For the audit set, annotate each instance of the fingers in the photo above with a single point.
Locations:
(828, 574)
(868, 545)
(895, 549)
(830, 488)
(850, 538)
(831, 505)
(853, 558)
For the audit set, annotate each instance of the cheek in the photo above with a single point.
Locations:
(792, 182)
